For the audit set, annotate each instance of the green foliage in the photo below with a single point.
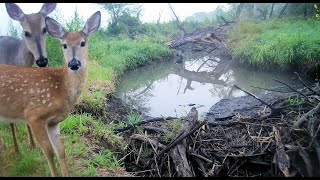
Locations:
(105, 159)
(174, 128)
(295, 101)
(133, 119)
(125, 19)
(76, 23)
(54, 52)
(277, 43)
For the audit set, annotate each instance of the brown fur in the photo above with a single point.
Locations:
(24, 52)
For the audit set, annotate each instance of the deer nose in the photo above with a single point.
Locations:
(74, 64)
(42, 61)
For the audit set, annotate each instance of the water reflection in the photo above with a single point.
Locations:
(170, 88)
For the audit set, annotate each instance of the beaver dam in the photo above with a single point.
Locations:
(279, 140)
(274, 133)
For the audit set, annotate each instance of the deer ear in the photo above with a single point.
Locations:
(14, 11)
(54, 28)
(92, 24)
(47, 8)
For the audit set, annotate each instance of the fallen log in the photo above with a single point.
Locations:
(281, 156)
(305, 116)
(179, 152)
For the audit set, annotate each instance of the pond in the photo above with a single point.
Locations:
(171, 88)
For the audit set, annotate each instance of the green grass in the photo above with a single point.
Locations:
(174, 128)
(277, 43)
(133, 119)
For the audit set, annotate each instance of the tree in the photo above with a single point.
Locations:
(283, 9)
(178, 22)
(270, 11)
(120, 13)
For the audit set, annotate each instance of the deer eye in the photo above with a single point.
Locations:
(83, 44)
(64, 46)
(44, 30)
(27, 34)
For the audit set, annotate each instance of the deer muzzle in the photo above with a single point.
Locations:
(74, 64)
(42, 61)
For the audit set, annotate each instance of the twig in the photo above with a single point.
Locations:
(144, 122)
(305, 116)
(256, 97)
(243, 156)
(155, 160)
(259, 163)
(123, 158)
(293, 89)
(308, 87)
(201, 157)
(146, 139)
(169, 168)
(268, 89)
(314, 136)
(140, 150)
(137, 172)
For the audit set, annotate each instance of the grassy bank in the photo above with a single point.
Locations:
(277, 43)
(82, 135)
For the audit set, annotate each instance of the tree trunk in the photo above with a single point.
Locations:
(255, 10)
(158, 21)
(283, 9)
(239, 9)
(271, 11)
(264, 15)
(179, 24)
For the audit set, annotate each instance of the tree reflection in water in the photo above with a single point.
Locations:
(167, 88)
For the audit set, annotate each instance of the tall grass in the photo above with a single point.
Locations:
(288, 43)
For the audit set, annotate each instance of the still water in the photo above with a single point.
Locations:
(171, 89)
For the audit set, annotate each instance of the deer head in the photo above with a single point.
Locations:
(74, 44)
(34, 28)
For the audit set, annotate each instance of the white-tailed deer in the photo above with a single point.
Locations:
(43, 97)
(24, 52)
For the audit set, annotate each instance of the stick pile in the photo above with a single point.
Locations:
(284, 141)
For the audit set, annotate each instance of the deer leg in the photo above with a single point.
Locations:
(16, 148)
(31, 141)
(54, 135)
(2, 169)
(39, 130)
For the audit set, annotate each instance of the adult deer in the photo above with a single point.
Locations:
(43, 97)
(24, 52)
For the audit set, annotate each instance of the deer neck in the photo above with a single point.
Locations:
(74, 82)
(25, 54)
